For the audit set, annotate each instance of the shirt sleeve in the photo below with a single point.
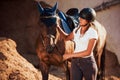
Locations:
(93, 34)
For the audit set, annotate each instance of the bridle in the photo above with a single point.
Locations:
(53, 46)
(51, 37)
(48, 36)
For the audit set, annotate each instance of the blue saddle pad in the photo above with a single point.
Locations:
(64, 22)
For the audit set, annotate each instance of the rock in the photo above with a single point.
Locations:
(15, 67)
(12, 65)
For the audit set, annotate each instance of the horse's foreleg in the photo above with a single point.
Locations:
(100, 64)
(67, 70)
(99, 59)
(44, 70)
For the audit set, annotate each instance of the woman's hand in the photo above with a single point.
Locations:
(67, 56)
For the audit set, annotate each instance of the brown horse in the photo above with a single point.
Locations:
(50, 44)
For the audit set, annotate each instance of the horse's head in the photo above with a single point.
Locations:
(48, 19)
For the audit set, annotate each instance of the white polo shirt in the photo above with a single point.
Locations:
(82, 42)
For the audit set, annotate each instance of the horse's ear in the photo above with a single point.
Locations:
(41, 10)
(55, 7)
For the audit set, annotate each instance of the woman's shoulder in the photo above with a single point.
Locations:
(92, 33)
(91, 29)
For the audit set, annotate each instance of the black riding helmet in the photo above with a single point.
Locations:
(88, 14)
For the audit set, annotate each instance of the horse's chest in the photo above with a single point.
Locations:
(69, 47)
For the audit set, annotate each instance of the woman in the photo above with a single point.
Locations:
(85, 38)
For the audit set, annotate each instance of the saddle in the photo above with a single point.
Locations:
(69, 20)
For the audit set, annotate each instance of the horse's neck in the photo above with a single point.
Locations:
(96, 25)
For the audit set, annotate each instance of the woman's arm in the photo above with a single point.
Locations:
(87, 52)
